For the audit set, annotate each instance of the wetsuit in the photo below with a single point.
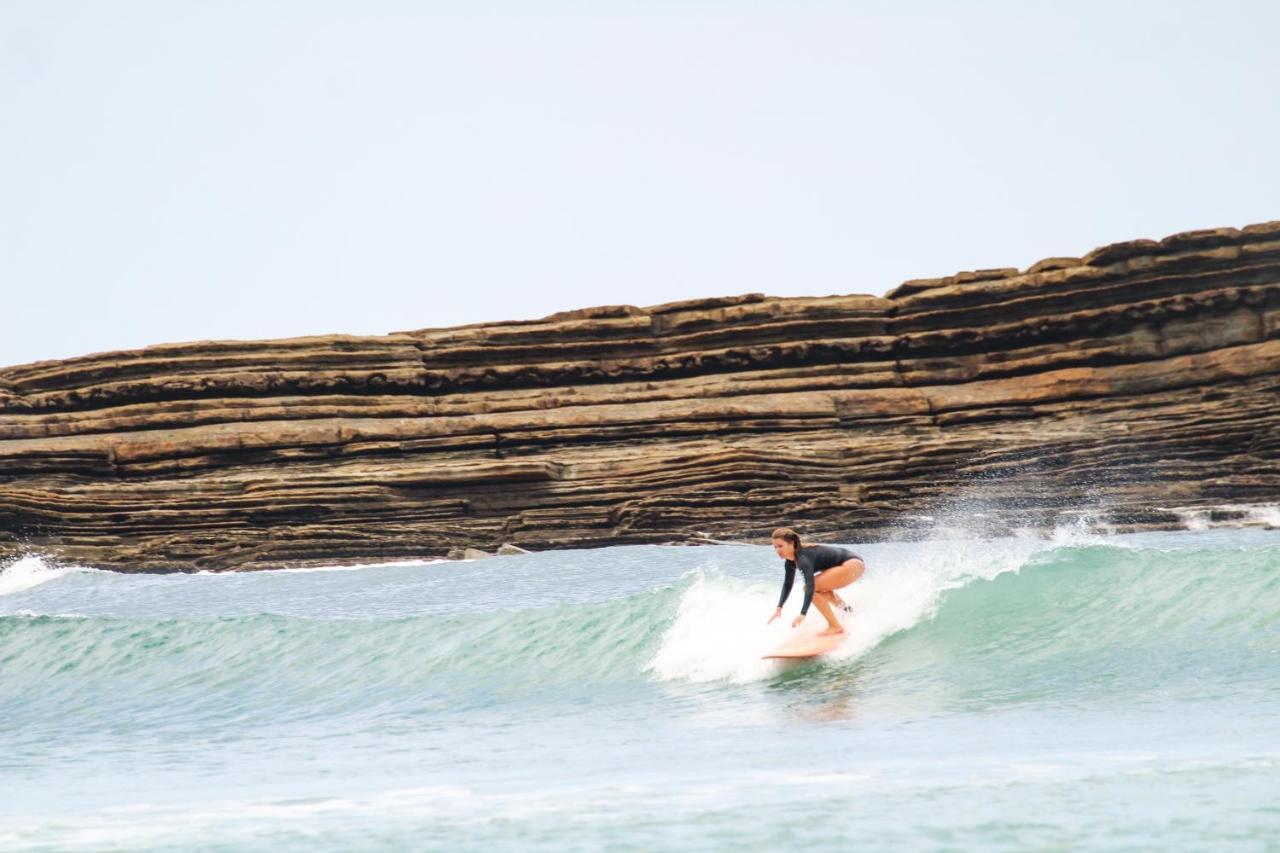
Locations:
(812, 559)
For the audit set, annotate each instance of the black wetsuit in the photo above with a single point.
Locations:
(812, 559)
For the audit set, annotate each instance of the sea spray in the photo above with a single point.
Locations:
(29, 572)
(719, 631)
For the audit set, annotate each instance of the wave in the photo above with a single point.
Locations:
(975, 621)
(719, 630)
(999, 614)
(156, 672)
(1083, 623)
(30, 572)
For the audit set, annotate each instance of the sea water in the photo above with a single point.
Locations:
(1106, 692)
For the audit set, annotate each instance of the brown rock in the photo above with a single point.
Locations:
(1137, 379)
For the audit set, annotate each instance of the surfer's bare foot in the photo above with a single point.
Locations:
(831, 630)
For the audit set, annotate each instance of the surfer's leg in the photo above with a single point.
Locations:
(836, 601)
(823, 603)
(838, 577)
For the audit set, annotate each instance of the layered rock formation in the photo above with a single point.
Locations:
(1137, 380)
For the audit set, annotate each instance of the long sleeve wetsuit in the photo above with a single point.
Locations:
(812, 559)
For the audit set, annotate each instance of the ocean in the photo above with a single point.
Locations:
(1080, 691)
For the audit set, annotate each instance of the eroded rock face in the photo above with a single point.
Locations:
(1137, 379)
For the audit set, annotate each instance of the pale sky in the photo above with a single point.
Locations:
(176, 170)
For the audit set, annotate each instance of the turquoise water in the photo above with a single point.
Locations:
(1114, 693)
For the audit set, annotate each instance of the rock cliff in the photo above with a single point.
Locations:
(1131, 384)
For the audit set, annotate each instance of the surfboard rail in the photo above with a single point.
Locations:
(808, 646)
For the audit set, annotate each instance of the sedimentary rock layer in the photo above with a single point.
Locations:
(1140, 378)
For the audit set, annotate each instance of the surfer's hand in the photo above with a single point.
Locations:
(776, 613)
(795, 623)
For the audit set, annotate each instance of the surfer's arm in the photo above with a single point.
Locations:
(788, 579)
(808, 589)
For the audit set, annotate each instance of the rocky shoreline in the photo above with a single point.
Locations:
(1130, 387)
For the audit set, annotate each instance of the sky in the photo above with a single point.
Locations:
(179, 170)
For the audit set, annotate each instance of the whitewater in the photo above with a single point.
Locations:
(1117, 692)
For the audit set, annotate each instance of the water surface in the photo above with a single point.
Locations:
(1118, 692)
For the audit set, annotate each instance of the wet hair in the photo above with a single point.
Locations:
(786, 534)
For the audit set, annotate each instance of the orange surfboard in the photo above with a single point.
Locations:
(809, 646)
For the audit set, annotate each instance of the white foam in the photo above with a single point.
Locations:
(1234, 516)
(134, 825)
(31, 572)
(31, 614)
(1193, 519)
(719, 633)
(1082, 529)
(354, 567)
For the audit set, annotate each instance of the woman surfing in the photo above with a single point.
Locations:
(826, 568)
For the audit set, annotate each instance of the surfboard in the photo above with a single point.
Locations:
(809, 646)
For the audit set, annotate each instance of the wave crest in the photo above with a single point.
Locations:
(30, 572)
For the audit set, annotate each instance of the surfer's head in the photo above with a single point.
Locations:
(785, 543)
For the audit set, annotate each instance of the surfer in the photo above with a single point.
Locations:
(826, 568)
